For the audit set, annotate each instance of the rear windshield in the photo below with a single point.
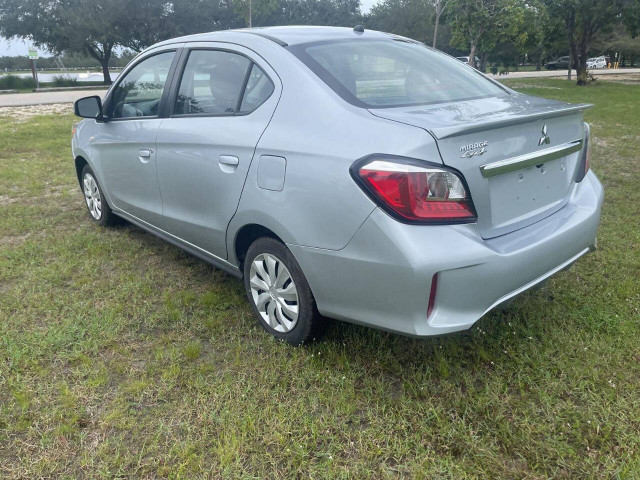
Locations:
(383, 73)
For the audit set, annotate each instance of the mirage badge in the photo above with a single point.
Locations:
(473, 149)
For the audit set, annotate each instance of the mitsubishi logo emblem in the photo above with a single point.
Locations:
(545, 138)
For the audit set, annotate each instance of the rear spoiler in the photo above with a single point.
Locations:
(463, 129)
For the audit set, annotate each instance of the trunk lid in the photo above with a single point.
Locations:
(537, 169)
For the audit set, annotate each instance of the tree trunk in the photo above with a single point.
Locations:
(573, 57)
(105, 72)
(102, 55)
(581, 62)
(570, 23)
(435, 29)
(483, 62)
(539, 62)
(472, 55)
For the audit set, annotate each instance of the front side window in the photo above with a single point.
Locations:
(212, 83)
(138, 94)
(384, 73)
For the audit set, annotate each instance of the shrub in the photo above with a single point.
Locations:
(14, 82)
(586, 78)
(64, 81)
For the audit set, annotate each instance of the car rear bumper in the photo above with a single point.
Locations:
(382, 278)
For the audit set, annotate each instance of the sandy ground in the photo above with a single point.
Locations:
(24, 113)
(563, 73)
(629, 79)
(39, 98)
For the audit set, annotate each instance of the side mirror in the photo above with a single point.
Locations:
(88, 107)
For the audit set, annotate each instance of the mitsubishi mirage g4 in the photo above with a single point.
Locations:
(343, 173)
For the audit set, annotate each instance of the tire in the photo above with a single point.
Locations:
(97, 206)
(276, 302)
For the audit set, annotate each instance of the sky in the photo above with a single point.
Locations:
(12, 47)
(365, 5)
(18, 47)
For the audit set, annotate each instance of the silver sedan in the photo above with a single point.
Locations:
(343, 173)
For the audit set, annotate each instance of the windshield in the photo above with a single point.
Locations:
(383, 73)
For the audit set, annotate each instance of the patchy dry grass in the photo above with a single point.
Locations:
(626, 79)
(122, 356)
(24, 114)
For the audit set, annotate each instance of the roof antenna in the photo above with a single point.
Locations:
(358, 29)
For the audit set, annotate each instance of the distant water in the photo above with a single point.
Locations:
(80, 76)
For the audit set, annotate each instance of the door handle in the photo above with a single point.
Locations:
(229, 160)
(145, 152)
(228, 163)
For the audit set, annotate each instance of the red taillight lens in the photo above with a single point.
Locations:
(415, 192)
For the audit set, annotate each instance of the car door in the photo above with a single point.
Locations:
(126, 141)
(222, 102)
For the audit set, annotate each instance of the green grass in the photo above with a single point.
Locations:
(122, 356)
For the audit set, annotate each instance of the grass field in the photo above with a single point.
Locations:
(121, 356)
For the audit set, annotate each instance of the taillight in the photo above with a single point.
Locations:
(585, 159)
(415, 191)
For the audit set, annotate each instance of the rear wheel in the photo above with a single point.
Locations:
(98, 208)
(279, 293)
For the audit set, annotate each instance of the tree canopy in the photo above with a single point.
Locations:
(505, 31)
(91, 26)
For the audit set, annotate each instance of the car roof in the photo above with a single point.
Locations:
(289, 35)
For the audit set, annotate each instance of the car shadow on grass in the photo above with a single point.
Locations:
(499, 335)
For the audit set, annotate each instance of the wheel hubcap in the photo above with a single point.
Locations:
(92, 196)
(274, 292)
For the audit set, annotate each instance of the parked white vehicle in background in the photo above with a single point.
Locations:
(466, 60)
(598, 62)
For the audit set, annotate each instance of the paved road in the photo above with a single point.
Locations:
(563, 73)
(42, 98)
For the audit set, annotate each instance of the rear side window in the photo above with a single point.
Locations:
(212, 83)
(259, 88)
(384, 73)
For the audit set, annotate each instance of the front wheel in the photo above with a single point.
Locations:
(99, 210)
(279, 294)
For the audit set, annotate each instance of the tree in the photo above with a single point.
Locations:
(584, 19)
(620, 42)
(409, 18)
(480, 24)
(304, 12)
(196, 16)
(96, 27)
(91, 26)
(438, 8)
(255, 12)
(631, 17)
